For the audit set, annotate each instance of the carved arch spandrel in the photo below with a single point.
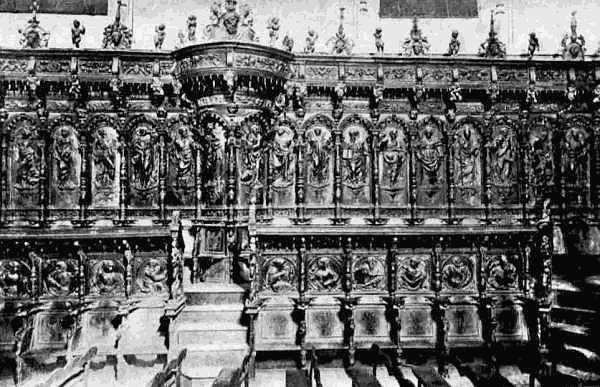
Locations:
(467, 142)
(65, 163)
(356, 132)
(540, 165)
(143, 160)
(182, 147)
(318, 159)
(575, 160)
(503, 161)
(104, 161)
(24, 162)
(213, 131)
(252, 158)
(392, 149)
(282, 143)
(429, 145)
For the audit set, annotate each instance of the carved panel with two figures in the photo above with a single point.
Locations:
(356, 161)
(430, 154)
(319, 160)
(393, 162)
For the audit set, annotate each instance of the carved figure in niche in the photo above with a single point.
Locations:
(369, 273)
(252, 153)
(504, 157)
(354, 155)
(182, 156)
(311, 40)
(457, 272)
(501, 273)
(542, 165)
(153, 276)
(65, 153)
(430, 154)
(27, 159)
(59, 280)
(575, 156)
(107, 278)
(322, 275)
(215, 160)
(282, 156)
(413, 273)
(104, 153)
(143, 158)
(279, 275)
(77, 32)
(319, 150)
(393, 153)
(14, 279)
(467, 165)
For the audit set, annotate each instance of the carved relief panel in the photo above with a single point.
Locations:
(150, 274)
(464, 325)
(318, 159)
(369, 272)
(65, 164)
(575, 160)
(144, 151)
(48, 332)
(15, 279)
(414, 272)
(417, 328)
(393, 162)
(540, 159)
(325, 273)
(181, 153)
(467, 152)
(105, 161)
(60, 277)
(503, 162)
(279, 274)
(214, 165)
(282, 163)
(25, 162)
(458, 273)
(252, 157)
(501, 272)
(355, 161)
(430, 155)
(106, 276)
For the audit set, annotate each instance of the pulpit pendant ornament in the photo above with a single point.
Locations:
(117, 35)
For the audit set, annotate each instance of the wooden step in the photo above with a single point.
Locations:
(214, 294)
(204, 333)
(226, 313)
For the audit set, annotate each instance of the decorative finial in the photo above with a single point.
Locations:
(572, 45)
(33, 35)
(77, 32)
(288, 43)
(378, 35)
(117, 35)
(273, 28)
(159, 36)
(229, 23)
(311, 40)
(492, 47)
(416, 44)
(342, 44)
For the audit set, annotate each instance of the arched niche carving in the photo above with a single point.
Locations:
(429, 147)
(143, 161)
(213, 133)
(282, 141)
(318, 159)
(467, 150)
(24, 162)
(503, 163)
(393, 161)
(540, 163)
(252, 158)
(105, 161)
(181, 163)
(65, 164)
(355, 160)
(576, 160)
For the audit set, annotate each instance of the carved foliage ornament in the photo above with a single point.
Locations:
(117, 35)
(33, 35)
(325, 273)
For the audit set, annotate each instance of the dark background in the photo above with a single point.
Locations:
(81, 7)
(427, 8)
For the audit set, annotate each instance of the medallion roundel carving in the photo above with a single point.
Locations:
(151, 277)
(457, 272)
(369, 273)
(279, 274)
(107, 277)
(325, 273)
(14, 279)
(501, 273)
(60, 278)
(413, 273)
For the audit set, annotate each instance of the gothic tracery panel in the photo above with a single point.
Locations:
(393, 162)
(105, 161)
(355, 160)
(466, 158)
(430, 154)
(318, 158)
(503, 164)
